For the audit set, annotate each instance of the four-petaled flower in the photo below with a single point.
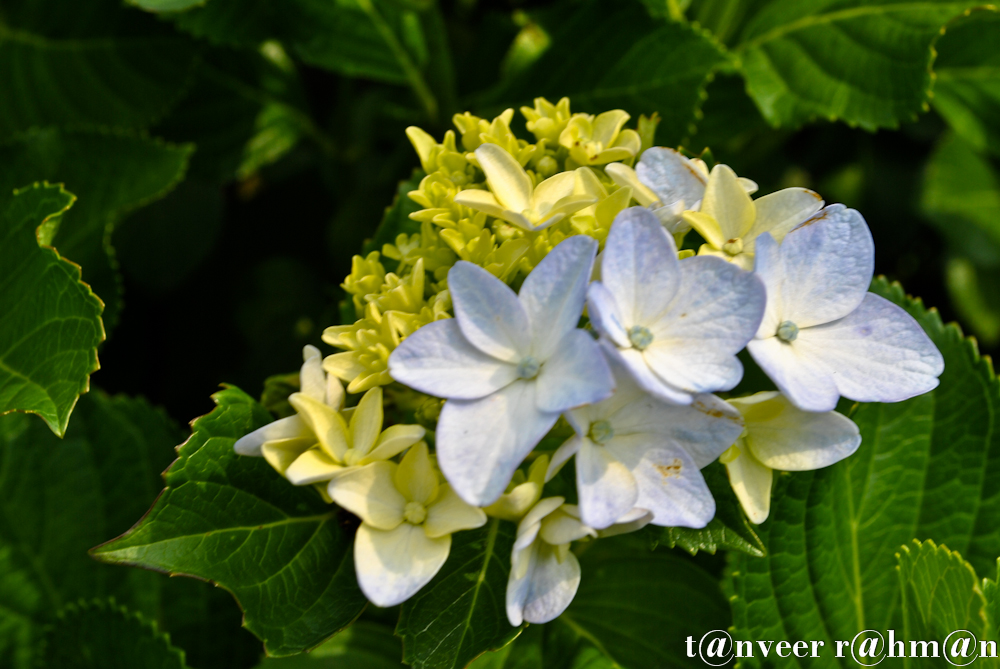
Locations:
(669, 184)
(731, 222)
(513, 198)
(509, 364)
(779, 435)
(598, 140)
(675, 324)
(407, 518)
(636, 451)
(823, 335)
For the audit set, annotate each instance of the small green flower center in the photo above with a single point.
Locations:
(601, 432)
(733, 247)
(788, 331)
(640, 337)
(528, 368)
(415, 513)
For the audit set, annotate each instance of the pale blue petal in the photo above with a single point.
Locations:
(576, 374)
(488, 312)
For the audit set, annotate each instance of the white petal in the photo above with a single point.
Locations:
(450, 514)
(326, 423)
(553, 586)
(563, 526)
(639, 266)
(370, 494)
(827, 265)
(553, 293)
(481, 442)
(437, 359)
(291, 427)
(878, 353)
(626, 177)
(522, 563)
(553, 189)
(312, 466)
(415, 477)
(604, 314)
(508, 181)
(528, 528)
(727, 202)
(393, 441)
(634, 520)
(705, 428)
(366, 421)
(393, 565)
(670, 484)
(768, 268)
(312, 378)
(488, 312)
(781, 211)
(751, 481)
(562, 455)
(784, 437)
(606, 487)
(717, 310)
(576, 374)
(482, 200)
(797, 371)
(281, 453)
(635, 362)
(671, 176)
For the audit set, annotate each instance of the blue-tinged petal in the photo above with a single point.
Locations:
(639, 267)
(553, 584)
(606, 487)
(671, 176)
(877, 353)
(670, 483)
(604, 314)
(554, 292)
(827, 265)
(576, 374)
(437, 359)
(481, 442)
(634, 361)
(768, 268)
(799, 373)
(489, 313)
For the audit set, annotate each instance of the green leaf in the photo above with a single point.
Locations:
(967, 86)
(637, 607)
(462, 612)
(58, 498)
(52, 321)
(729, 529)
(131, 171)
(638, 63)
(961, 198)
(231, 519)
(363, 645)
(337, 34)
(166, 5)
(924, 469)
(118, 82)
(865, 63)
(940, 594)
(103, 635)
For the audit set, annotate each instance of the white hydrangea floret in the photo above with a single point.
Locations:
(508, 364)
(823, 335)
(676, 325)
(407, 518)
(668, 183)
(779, 435)
(322, 439)
(636, 451)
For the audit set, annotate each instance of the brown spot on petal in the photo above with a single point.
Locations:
(672, 470)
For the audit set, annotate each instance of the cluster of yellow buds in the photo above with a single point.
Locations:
(391, 305)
